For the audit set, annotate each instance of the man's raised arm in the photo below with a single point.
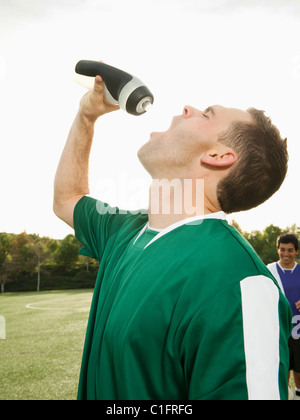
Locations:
(72, 180)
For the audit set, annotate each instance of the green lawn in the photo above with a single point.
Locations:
(41, 355)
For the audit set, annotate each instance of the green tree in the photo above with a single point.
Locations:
(24, 253)
(67, 253)
(235, 224)
(5, 258)
(44, 249)
(264, 242)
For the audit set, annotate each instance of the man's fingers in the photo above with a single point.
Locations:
(99, 84)
(98, 79)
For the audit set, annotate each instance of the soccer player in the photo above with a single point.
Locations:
(183, 308)
(287, 273)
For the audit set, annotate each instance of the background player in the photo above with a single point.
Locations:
(287, 273)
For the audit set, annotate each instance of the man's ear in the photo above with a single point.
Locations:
(219, 160)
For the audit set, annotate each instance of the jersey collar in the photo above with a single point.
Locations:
(287, 269)
(189, 221)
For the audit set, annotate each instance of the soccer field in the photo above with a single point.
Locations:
(41, 356)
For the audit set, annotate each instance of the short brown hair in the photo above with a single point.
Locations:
(288, 238)
(261, 166)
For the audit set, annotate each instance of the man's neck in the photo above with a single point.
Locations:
(291, 266)
(173, 201)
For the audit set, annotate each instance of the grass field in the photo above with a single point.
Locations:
(41, 356)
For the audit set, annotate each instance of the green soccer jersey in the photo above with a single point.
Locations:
(188, 313)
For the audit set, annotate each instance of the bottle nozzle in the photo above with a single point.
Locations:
(144, 104)
(147, 106)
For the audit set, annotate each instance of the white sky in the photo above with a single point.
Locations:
(198, 52)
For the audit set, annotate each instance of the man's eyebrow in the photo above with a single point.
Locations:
(210, 109)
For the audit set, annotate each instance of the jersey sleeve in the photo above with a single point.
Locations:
(90, 229)
(236, 347)
(96, 224)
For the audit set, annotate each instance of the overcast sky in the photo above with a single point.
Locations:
(38, 8)
(198, 52)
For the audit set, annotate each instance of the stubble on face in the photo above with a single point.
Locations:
(189, 136)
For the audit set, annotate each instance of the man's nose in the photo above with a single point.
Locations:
(189, 111)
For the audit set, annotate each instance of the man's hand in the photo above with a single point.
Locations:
(298, 305)
(71, 180)
(93, 104)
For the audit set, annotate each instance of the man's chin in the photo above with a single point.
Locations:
(155, 134)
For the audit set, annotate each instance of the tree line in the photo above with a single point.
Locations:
(264, 242)
(29, 262)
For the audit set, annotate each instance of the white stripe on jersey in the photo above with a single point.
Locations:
(260, 298)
